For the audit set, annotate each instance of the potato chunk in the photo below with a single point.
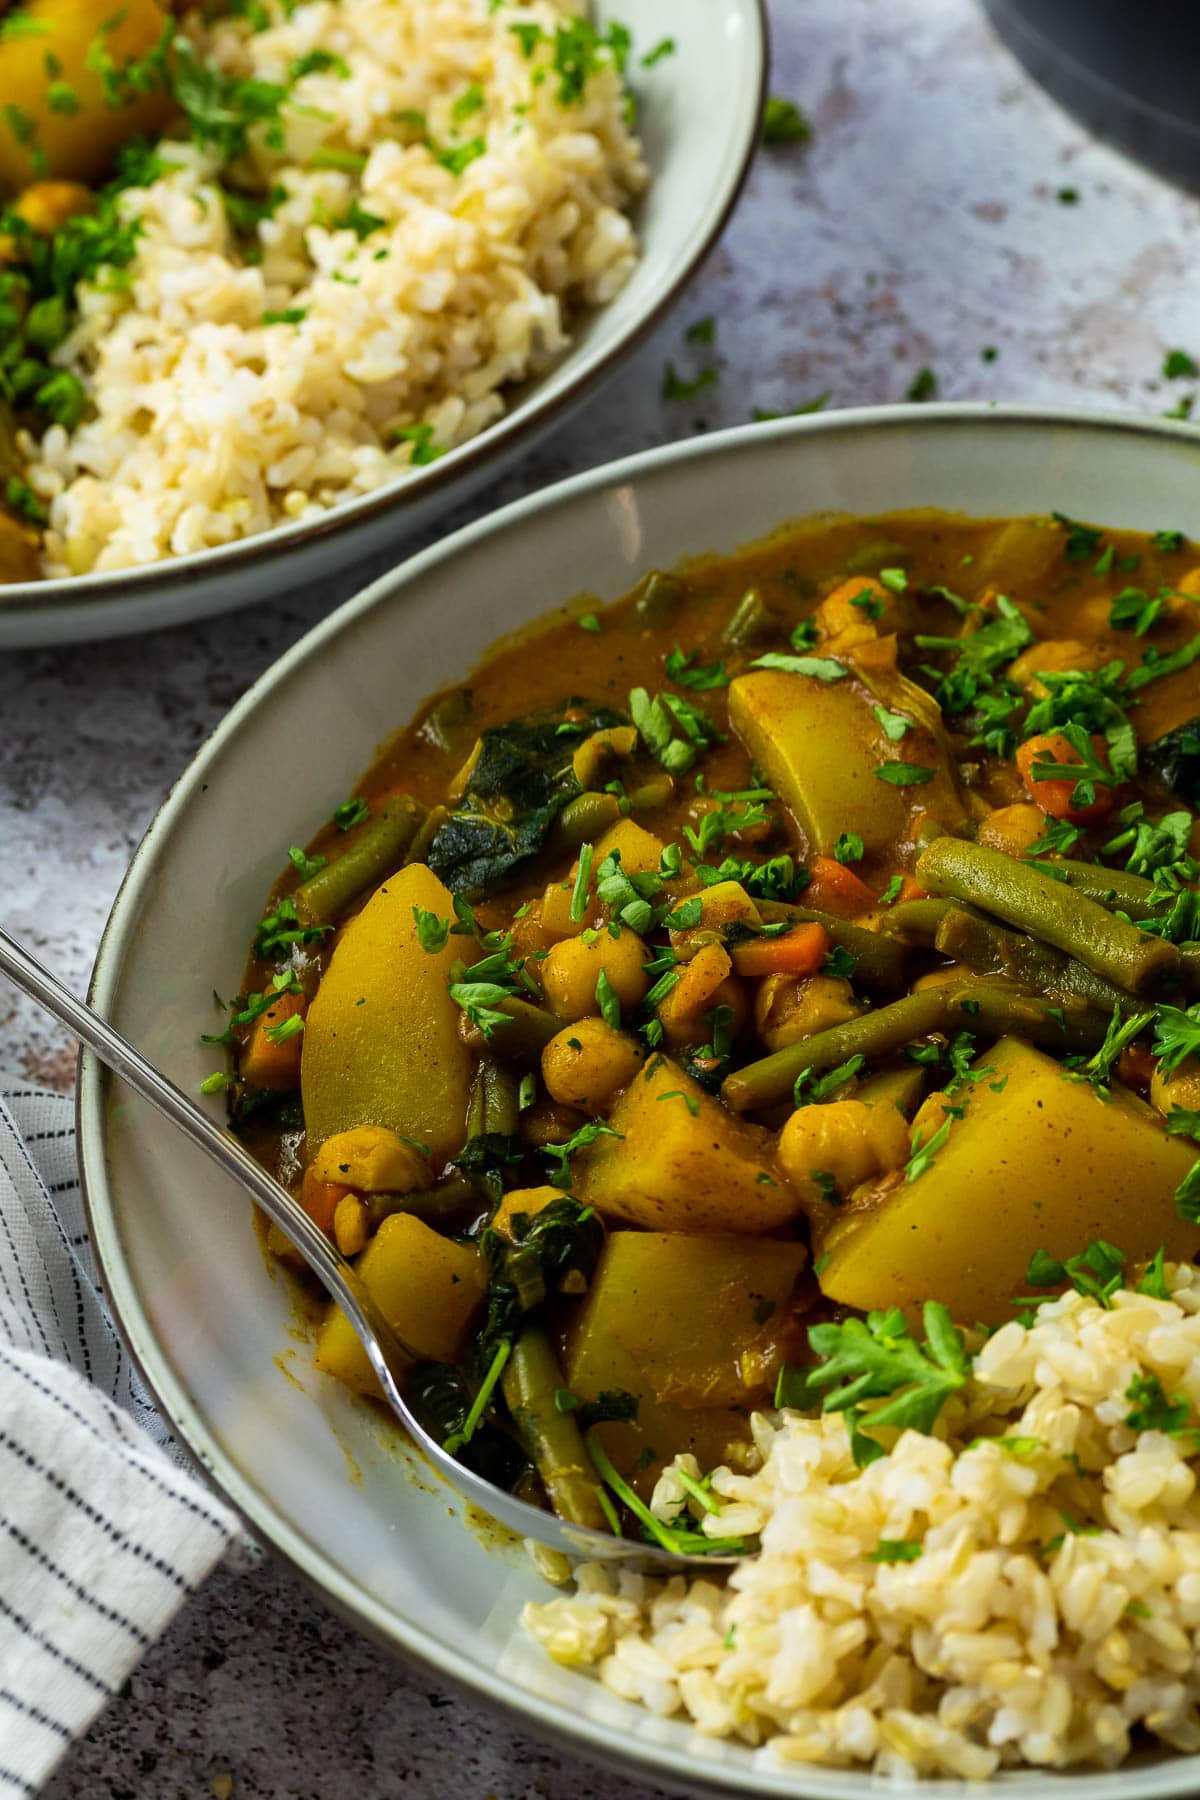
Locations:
(787, 723)
(694, 1326)
(1043, 1163)
(381, 1045)
(70, 124)
(429, 1290)
(682, 1163)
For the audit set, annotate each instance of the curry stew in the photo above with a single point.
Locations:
(811, 932)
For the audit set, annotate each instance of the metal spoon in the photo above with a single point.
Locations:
(383, 1345)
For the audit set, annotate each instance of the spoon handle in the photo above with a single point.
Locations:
(117, 1054)
(378, 1338)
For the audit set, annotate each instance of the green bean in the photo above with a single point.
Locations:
(658, 597)
(1108, 887)
(873, 1034)
(876, 554)
(432, 823)
(501, 1103)
(586, 818)
(453, 1203)
(1066, 1026)
(917, 921)
(552, 1439)
(750, 622)
(879, 962)
(991, 950)
(376, 851)
(523, 1039)
(656, 790)
(1050, 910)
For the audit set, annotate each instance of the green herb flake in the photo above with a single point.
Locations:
(904, 774)
(895, 1550)
(784, 123)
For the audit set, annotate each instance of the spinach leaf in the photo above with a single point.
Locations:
(521, 780)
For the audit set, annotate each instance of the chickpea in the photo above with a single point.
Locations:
(1180, 1088)
(1057, 655)
(573, 967)
(788, 1008)
(851, 605)
(45, 205)
(547, 1122)
(351, 1226)
(1013, 828)
(374, 1160)
(586, 1064)
(848, 1140)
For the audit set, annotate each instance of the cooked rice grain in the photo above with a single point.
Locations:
(211, 425)
(1053, 1612)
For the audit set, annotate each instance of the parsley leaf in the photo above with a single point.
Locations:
(904, 774)
(784, 123)
(1152, 1411)
(879, 1358)
(687, 673)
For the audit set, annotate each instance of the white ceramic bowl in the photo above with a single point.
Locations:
(700, 111)
(318, 1478)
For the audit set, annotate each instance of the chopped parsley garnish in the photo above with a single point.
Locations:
(306, 866)
(895, 1550)
(1135, 610)
(819, 668)
(849, 848)
(1083, 541)
(664, 47)
(351, 813)
(457, 157)
(784, 123)
(424, 450)
(678, 387)
(579, 1140)
(811, 1090)
(1152, 1410)
(924, 1154)
(1098, 1271)
(433, 933)
(904, 774)
(892, 724)
(1179, 366)
(688, 673)
(287, 315)
(924, 385)
(879, 1358)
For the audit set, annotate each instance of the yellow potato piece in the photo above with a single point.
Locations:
(1042, 1165)
(78, 137)
(694, 1327)
(381, 1044)
(788, 723)
(640, 850)
(429, 1289)
(682, 1163)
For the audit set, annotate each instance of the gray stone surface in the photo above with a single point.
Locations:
(921, 226)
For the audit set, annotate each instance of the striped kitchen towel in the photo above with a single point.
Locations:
(103, 1532)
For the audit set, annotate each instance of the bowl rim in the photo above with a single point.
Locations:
(550, 1718)
(523, 425)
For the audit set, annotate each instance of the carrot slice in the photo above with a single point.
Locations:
(800, 951)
